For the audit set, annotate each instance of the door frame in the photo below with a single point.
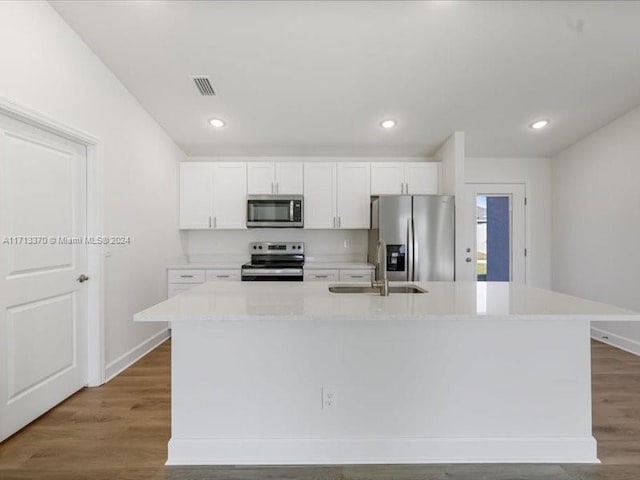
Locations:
(506, 188)
(95, 227)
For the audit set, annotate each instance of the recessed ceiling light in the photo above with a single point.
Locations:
(216, 123)
(388, 124)
(538, 124)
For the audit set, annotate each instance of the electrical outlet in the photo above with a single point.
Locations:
(328, 397)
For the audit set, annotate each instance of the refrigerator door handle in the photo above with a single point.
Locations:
(410, 250)
(415, 261)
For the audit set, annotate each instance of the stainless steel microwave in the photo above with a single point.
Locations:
(269, 211)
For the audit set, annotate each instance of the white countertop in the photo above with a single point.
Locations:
(230, 301)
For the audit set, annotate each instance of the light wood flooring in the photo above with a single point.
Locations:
(120, 431)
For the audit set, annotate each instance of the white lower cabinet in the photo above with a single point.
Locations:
(338, 275)
(223, 275)
(186, 276)
(356, 275)
(180, 279)
(174, 289)
(321, 275)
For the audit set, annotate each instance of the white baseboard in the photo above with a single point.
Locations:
(136, 353)
(623, 343)
(309, 451)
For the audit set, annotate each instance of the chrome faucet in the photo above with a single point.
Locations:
(380, 280)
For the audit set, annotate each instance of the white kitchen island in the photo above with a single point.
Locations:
(289, 373)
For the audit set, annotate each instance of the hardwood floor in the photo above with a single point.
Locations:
(120, 431)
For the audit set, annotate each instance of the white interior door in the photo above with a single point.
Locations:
(493, 236)
(43, 306)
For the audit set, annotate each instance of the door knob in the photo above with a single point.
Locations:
(83, 278)
(468, 259)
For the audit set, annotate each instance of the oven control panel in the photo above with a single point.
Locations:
(277, 248)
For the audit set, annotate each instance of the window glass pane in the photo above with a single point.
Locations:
(493, 234)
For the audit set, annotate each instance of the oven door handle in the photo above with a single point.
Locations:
(262, 272)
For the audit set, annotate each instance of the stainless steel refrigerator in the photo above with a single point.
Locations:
(419, 233)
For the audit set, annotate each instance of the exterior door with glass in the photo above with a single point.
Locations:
(494, 234)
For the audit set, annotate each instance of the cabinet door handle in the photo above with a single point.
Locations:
(322, 276)
(334, 222)
(186, 276)
(356, 276)
(215, 222)
(339, 222)
(222, 276)
(277, 187)
(209, 221)
(406, 188)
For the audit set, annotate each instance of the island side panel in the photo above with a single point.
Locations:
(439, 390)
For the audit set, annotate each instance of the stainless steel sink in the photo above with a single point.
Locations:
(370, 289)
(406, 289)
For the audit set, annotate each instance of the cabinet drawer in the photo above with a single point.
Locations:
(321, 275)
(186, 276)
(176, 288)
(222, 275)
(355, 275)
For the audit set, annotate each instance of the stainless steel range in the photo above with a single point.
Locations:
(274, 262)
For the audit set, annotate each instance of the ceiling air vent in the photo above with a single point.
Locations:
(203, 85)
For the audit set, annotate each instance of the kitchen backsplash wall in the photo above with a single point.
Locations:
(320, 245)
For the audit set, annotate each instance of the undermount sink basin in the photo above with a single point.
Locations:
(370, 289)
(406, 289)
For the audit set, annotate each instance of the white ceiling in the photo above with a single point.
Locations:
(316, 78)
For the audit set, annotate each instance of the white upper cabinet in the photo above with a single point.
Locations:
(422, 178)
(405, 178)
(260, 178)
(195, 195)
(353, 197)
(289, 178)
(213, 195)
(336, 195)
(387, 178)
(264, 178)
(319, 195)
(229, 195)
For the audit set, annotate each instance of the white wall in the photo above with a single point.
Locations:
(47, 68)
(320, 245)
(535, 173)
(596, 221)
